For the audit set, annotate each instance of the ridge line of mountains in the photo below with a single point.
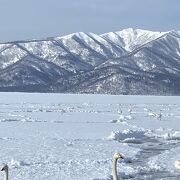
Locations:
(131, 61)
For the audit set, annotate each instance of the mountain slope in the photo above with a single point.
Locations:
(131, 61)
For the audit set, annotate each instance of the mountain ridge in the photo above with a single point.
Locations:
(74, 63)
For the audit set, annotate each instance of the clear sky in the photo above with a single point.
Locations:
(27, 19)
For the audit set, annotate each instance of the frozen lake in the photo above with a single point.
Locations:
(59, 137)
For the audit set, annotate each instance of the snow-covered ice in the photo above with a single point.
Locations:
(59, 137)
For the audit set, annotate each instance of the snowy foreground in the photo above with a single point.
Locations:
(59, 137)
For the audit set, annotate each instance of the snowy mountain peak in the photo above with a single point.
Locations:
(131, 38)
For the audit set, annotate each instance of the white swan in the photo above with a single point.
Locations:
(156, 115)
(177, 164)
(114, 170)
(159, 115)
(130, 110)
(5, 169)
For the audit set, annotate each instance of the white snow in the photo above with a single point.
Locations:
(11, 55)
(59, 137)
(131, 38)
(172, 136)
(126, 135)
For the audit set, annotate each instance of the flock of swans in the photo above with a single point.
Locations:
(116, 157)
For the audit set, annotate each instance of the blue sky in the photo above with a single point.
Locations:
(26, 19)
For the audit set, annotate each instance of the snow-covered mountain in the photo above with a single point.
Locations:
(131, 61)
